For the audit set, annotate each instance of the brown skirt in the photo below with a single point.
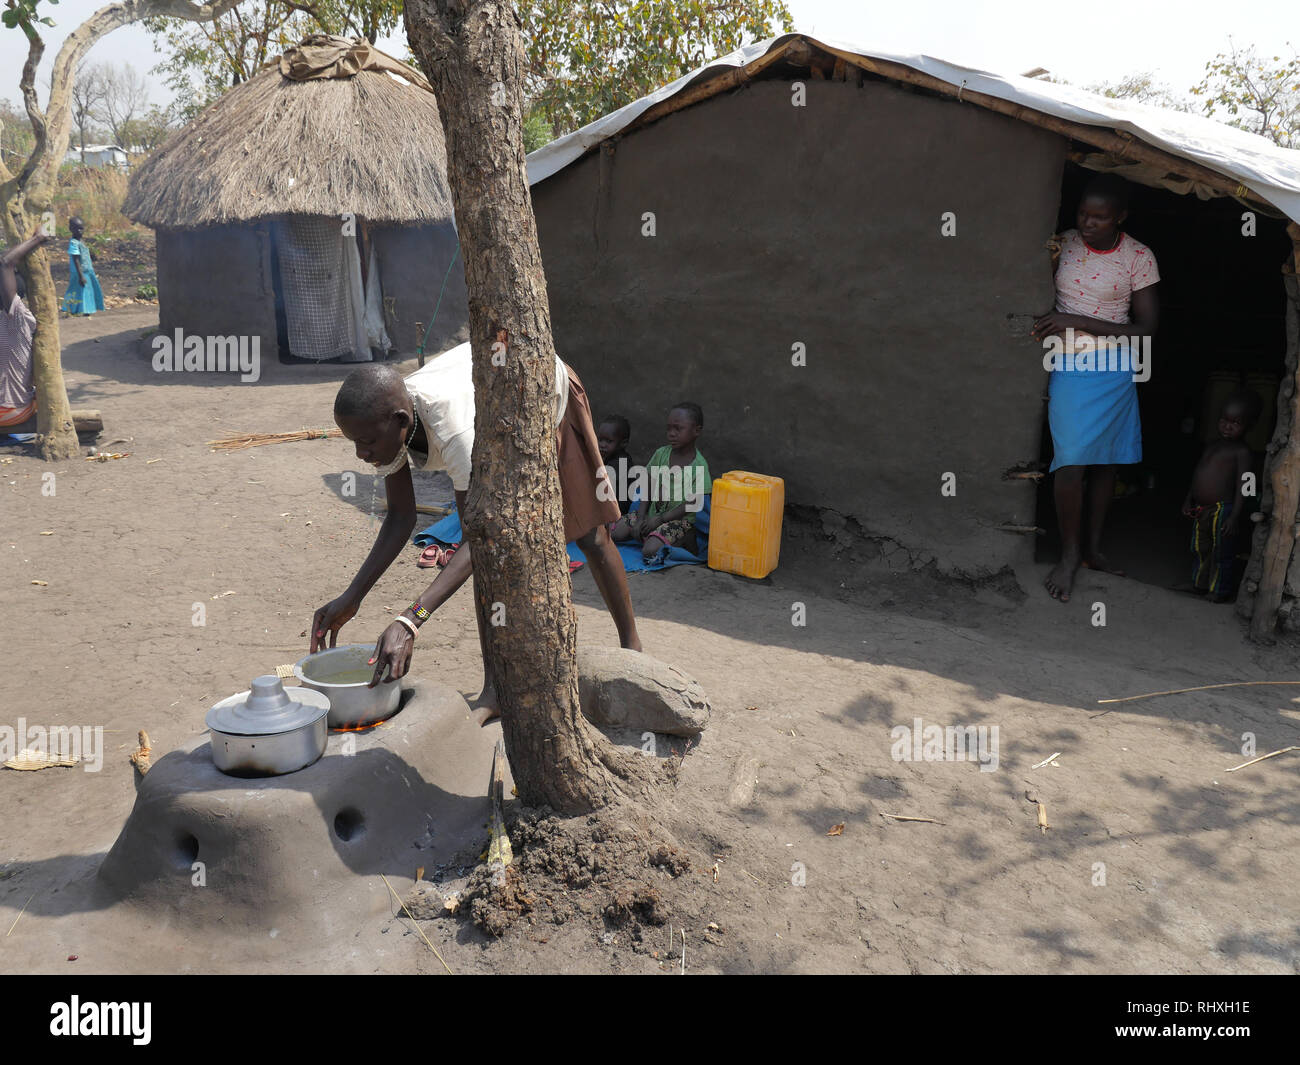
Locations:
(581, 468)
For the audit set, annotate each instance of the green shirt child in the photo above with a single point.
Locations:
(678, 480)
(669, 490)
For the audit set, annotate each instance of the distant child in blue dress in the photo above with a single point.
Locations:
(84, 296)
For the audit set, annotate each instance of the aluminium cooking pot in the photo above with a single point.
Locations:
(342, 673)
(263, 732)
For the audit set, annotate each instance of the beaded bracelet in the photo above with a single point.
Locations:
(421, 612)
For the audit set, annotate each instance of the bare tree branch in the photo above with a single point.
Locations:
(55, 124)
(125, 94)
(27, 86)
(88, 90)
(30, 193)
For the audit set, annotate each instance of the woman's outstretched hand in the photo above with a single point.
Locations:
(394, 652)
(329, 619)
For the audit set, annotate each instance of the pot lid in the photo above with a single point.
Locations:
(266, 709)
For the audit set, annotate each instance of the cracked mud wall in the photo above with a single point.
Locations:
(821, 225)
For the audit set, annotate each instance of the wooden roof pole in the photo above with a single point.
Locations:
(1286, 501)
(713, 86)
(800, 52)
(1111, 140)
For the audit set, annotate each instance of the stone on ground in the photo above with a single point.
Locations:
(628, 689)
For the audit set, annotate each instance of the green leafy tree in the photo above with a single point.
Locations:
(203, 60)
(537, 130)
(589, 57)
(15, 134)
(1258, 94)
(585, 57)
(370, 19)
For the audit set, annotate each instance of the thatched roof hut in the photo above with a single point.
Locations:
(266, 194)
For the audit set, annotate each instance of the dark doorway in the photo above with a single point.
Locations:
(277, 287)
(1222, 326)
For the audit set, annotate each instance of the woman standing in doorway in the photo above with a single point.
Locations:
(1104, 279)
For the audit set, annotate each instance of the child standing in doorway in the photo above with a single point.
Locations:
(84, 296)
(1216, 499)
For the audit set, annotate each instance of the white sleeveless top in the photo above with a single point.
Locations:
(442, 392)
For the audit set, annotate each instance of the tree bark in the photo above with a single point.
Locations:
(28, 195)
(472, 52)
(1280, 545)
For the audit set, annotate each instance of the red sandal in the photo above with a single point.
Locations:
(435, 555)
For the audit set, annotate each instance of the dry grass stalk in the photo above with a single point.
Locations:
(417, 925)
(240, 441)
(1271, 754)
(1202, 688)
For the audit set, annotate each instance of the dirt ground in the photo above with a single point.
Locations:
(1156, 860)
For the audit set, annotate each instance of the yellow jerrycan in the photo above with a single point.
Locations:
(745, 523)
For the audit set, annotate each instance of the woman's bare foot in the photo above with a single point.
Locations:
(1060, 582)
(485, 707)
(1099, 562)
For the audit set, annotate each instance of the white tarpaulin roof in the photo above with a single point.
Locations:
(1270, 172)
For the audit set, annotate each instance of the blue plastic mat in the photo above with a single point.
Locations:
(635, 562)
(447, 531)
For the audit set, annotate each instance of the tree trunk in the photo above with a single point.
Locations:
(1282, 531)
(26, 196)
(473, 55)
(56, 436)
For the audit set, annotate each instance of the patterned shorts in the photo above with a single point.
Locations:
(674, 533)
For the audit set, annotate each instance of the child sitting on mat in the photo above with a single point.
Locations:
(678, 482)
(1216, 499)
(613, 435)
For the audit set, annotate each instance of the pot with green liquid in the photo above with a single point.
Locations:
(342, 673)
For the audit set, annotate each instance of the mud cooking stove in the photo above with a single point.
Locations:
(298, 856)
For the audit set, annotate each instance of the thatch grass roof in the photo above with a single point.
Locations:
(370, 144)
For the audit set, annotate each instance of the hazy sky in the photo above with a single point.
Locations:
(1099, 41)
